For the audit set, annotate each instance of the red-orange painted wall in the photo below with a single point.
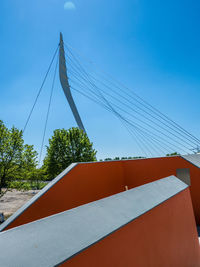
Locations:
(83, 184)
(139, 172)
(92, 181)
(163, 237)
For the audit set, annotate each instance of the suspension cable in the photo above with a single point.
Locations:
(135, 125)
(117, 99)
(144, 122)
(144, 103)
(38, 94)
(83, 73)
(129, 107)
(48, 110)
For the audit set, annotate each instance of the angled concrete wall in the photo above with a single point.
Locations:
(138, 172)
(85, 182)
(165, 236)
(77, 185)
(149, 226)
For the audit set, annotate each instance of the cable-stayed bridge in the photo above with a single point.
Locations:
(154, 133)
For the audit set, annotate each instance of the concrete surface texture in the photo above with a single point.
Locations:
(82, 183)
(61, 238)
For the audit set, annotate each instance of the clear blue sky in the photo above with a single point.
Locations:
(151, 46)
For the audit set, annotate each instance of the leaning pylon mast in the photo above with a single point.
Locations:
(65, 84)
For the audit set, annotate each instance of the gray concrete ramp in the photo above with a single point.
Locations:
(55, 239)
(193, 158)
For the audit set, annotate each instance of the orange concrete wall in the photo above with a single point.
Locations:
(83, 184)
(92, 181)
(139, 172)
(195, 192)
(165, 236)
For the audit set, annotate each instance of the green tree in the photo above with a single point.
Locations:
(122, 158)
(66, 147)
(173, 154)
(36, 176)
(17, 161)
(29, 162)
(28, 171)
(11, 148)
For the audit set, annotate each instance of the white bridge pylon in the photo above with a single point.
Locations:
(65, 84)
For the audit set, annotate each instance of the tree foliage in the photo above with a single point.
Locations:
(173, 154)
(11, 147)
(66, 147)
(122, 158)
(15, 157)
(29, 162)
